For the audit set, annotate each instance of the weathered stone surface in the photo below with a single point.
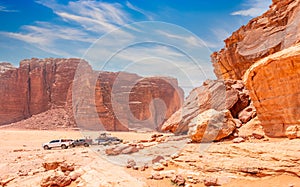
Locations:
(39, 85)
(291, 132)
(274, 89)
(275, 30)
(211, 125)
(218, 95)
(56, 179)
(247, 114)
(254, 126)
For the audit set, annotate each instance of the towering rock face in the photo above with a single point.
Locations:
(275, 30)
(274, 88)
(265, 54)
(42, 84)
(35, 87)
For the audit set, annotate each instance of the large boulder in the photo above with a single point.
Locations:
(275, 30)
(211, 125)
(214, 94)
(274, 89)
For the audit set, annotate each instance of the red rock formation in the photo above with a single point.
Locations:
(274, 89)
(113, 101)
(275, 30)
(218, 95)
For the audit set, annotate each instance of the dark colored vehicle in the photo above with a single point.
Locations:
(80, 142)
(106, 139)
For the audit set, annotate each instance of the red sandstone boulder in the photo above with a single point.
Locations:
(218, 95)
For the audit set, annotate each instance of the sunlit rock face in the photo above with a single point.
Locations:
(274, 89)
(275, 30)
(118, 101)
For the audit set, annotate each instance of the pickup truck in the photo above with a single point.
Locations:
(63, 143)
(84, 142)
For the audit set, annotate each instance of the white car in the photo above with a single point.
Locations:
(63, 143)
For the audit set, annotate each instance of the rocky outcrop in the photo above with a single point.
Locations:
(115, 101)
(274, 89)
(218, 95)
(275, 30)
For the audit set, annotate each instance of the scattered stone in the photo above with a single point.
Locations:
(175, 155)
(51, 165)
(178, 180)
(238, 140)
(238, 123)
(130, 150)
(131, 163)
(167, 173)
(291, 132)
(56, 179)
(247, 114)
(140, 146)
(211, 181)
(258, 135)
(135, 167)
(157, 177)
(74, 175)
(66, 167)
(164, 162)
(157, 167)
(157, 159)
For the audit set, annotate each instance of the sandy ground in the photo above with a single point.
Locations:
(22, 152)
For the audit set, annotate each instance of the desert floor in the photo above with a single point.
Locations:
(271, 162)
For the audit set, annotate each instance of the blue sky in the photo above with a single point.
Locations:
(63, 28)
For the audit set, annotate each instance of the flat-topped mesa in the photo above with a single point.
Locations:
(275, 30)
(39, 85)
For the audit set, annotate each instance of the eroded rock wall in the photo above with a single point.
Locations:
(274, 89)
(39, 85)
(275, 30)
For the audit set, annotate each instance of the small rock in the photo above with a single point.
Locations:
(174, 156)
(238, 140)
(51, 165)
(164, 163)
(157, 159)
(291, 132)
(157, 167)
(157, 177)
(130, 150)
(74, 175)
(66, 167)
(211, 181)
(167, 173)
(131, 163)
(135, 167)
(258, 135)
(179, 180)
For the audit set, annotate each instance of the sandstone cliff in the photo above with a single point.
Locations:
(274, 88)
(275, 30)
(39, 85)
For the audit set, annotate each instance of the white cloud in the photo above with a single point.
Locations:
(5, 9)
(255, 8)
(86, 21)
(139, 10)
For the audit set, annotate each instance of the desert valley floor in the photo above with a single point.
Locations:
(266, 162)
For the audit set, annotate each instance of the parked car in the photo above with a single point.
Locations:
(63, 143)
(106, 139)
(80, 142)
